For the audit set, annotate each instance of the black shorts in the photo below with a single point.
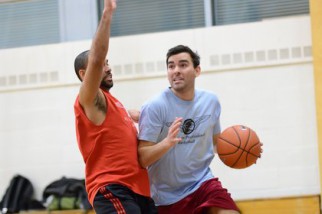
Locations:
(118, 199)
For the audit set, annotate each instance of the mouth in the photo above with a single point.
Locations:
(177, 80)
(108, 77)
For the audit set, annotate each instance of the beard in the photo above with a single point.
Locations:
(107, 84)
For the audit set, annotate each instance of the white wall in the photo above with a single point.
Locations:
(262, 73)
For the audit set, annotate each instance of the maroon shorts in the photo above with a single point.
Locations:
(209, 194)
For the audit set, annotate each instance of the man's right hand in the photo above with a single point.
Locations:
(110, 5)
(172, 137)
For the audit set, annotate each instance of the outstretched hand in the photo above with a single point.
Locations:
(110, 5)
(173, 132)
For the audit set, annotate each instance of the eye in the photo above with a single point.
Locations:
(170, 66)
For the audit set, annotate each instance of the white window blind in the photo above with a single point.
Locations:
(25, 23)
(146, 16)
(241, 11)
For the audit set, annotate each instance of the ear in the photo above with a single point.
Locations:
(197, 71)
(82, 73)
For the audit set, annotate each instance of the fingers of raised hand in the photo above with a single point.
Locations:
(174, 130)
(110, 4)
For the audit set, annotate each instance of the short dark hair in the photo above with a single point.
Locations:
(184, 49)
(81, 62)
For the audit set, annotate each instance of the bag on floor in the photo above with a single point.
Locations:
(18, 195)
(66, 194)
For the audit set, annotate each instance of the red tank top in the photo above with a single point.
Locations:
(109, 150)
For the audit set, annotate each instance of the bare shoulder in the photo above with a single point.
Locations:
(96, 110)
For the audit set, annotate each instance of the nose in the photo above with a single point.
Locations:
(107, 69)
(176, 69)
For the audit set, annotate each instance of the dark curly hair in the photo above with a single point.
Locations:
(184, 49)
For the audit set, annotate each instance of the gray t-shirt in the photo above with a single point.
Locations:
(184, 167)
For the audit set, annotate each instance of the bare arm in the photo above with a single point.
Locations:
(215, 137)
(151, 152)
(134, 114)
(89, 90)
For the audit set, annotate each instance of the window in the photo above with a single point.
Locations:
(26, 23)
(146, 16)
(241, 11)
(36, 22)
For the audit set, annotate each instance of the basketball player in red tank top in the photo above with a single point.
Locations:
(106, 135)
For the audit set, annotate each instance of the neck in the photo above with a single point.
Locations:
(184, 95)
(105, 89)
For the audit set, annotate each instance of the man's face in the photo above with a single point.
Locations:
(107, 81)
(181, 73)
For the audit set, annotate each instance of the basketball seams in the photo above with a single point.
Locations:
(236, 133)
(219, 153)
(247, 153)
(238, 146)
(255, 144)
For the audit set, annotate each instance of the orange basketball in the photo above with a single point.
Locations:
(238, 147)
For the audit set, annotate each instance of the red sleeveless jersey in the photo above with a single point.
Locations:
(109, 150)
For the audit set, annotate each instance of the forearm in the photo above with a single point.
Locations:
(97, 55)
(149, 152)
(100, 42)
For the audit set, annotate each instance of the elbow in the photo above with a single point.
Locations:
(143, 164)
(142, 159)
(146, 156)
